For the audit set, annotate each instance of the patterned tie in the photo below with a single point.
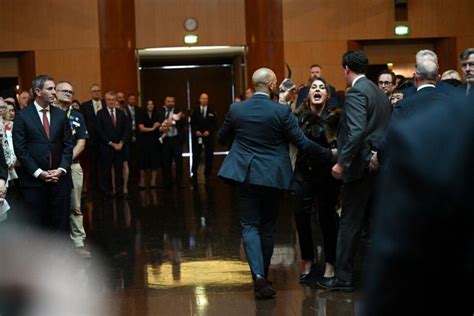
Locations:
(112, 115)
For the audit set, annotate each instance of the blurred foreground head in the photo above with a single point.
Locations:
(41, 275)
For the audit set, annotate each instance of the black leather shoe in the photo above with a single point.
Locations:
(263, 289)
(335, 284)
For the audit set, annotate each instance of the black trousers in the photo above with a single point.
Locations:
(172, 150)
(323, 190)
(48, 206)
(355, 200)
(109, 159)
(208, 143)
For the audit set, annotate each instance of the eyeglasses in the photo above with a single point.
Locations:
(95, 90)
(385, 83)
(66, 91)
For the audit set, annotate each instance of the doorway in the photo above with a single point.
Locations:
(186, 73)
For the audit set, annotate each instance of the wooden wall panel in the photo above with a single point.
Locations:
(160, 23)
(8, 67)
(26, 70)
(49, 24)
(312, 26)
(79, 66)
(117, 46)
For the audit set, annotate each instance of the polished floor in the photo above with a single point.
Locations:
(178, 252)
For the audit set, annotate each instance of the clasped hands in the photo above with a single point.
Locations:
(204, 134)
(117, 147)
(51, 175)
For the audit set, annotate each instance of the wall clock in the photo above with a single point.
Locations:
(190, 24)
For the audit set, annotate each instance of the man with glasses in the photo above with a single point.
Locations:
(387, 82)
(64, 94)
(467, 67)
(90, 110)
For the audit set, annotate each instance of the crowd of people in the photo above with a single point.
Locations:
(326, 146)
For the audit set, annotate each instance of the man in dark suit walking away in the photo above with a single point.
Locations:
(203, 126)
(259, 165)
(113, 134)
(363, 123)
(43, 144)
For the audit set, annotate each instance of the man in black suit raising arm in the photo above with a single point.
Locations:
(43, 144)
(362, 128)
(113, 133)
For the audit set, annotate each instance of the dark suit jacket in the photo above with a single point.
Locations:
(262, 130)
(424, 219)
(33, 148)
(87, 109)
(420, 101)
(3, 165)
(442, 86)
(107, 132)
(180, 125)
(365, 116)
(199, 123)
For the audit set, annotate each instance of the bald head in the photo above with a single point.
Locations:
(426, 72)
(263, 79)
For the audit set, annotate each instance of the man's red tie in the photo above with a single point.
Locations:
(113, 117)
(45, 122)
(46, 130)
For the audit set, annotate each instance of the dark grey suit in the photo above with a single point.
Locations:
(364, 120)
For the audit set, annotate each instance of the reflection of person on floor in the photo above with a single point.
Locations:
(259, 164)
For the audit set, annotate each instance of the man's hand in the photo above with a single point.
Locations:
(198, 134)
(45, 176)
(374, 162)
(118, 147)
(55, 174)
(337, 171)
(205, 134)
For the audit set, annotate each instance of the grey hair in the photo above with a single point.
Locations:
(427, 70)
(426, 52)
(38, 82)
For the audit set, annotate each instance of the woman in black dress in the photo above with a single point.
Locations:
(314, 182)
(148, 142)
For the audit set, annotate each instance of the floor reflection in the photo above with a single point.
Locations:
(179, 252)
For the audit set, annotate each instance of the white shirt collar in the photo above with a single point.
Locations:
(39, 108)
(425, 86)
(262, 93)
(357, 79)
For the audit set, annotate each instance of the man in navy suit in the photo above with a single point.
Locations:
(442, 86)
(43, 145)
(259, 164)
(112, 133)
(422, 254)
